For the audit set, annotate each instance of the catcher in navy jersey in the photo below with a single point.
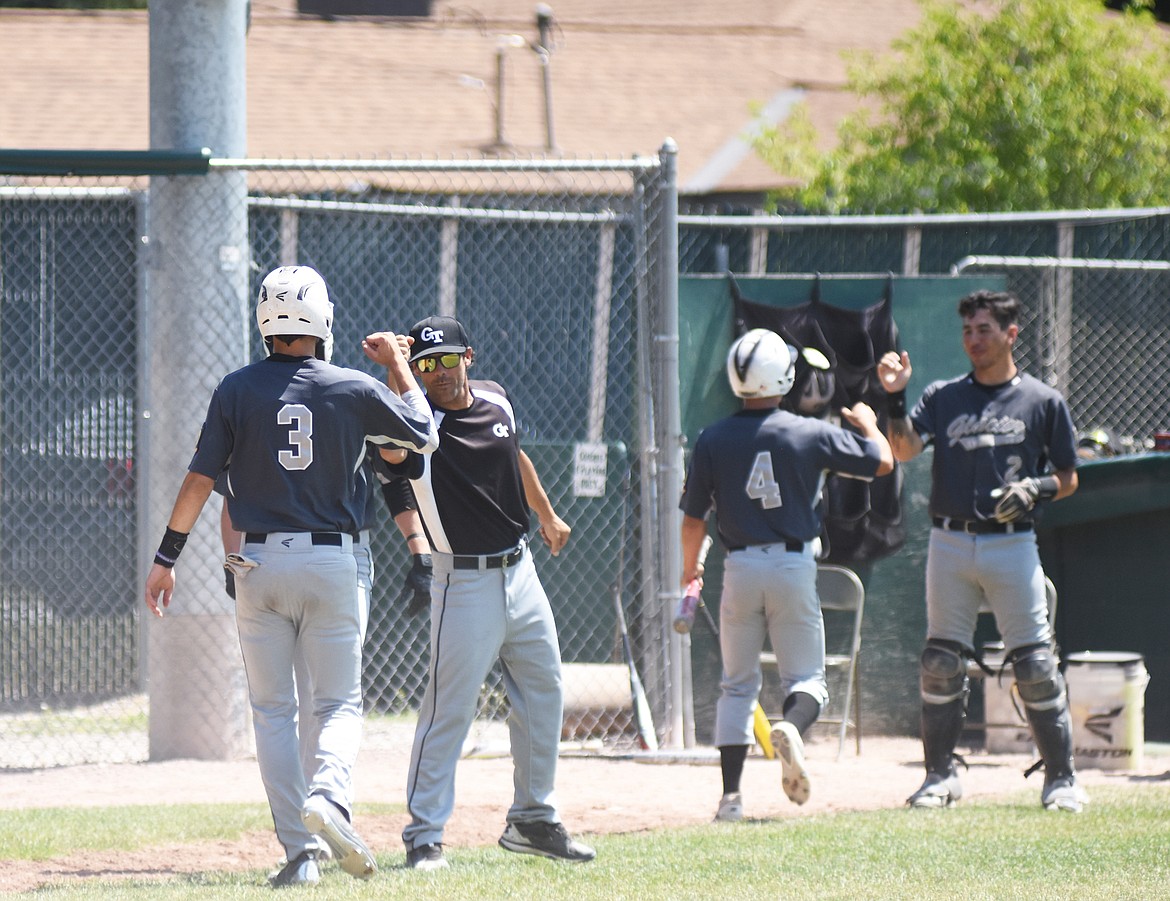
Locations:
(487, 603)
(763, 469)
(1003, 442)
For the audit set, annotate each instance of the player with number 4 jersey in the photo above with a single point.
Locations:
(762, 469)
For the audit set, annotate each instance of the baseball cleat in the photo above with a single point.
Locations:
(426, 857)
(323, 818)
(938, 791)
(730, 808)
(789, 748)
(545, 840)
(301, 870)
(1063, 794)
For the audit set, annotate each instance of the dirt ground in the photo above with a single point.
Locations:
(618, 793)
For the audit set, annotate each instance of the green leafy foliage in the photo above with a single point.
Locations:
(1010, 105)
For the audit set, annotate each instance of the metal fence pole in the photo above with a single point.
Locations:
(198, 267)
(670, 441)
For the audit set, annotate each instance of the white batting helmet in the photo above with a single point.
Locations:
(760, 364)
(294, 300)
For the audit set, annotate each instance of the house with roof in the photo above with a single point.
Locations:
(326, 79)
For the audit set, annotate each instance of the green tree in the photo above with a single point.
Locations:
(1012, 105)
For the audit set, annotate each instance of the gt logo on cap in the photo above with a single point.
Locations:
(435, 336)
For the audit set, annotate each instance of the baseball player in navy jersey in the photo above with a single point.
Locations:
(1003, 442)
(474, 494)
(294, 429)
(762, 469)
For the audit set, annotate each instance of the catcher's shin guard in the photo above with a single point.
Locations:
(1041, 688)
(943, 675)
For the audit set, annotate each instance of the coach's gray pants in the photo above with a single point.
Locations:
(478, 616)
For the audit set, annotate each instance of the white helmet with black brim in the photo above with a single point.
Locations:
(760, 364)
(294, 300)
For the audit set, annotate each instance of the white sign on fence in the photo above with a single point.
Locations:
(589, 465)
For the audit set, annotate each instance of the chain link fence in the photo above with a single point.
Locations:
(125, 301)
(1093, 285)
(1091, 329)
(114, 331)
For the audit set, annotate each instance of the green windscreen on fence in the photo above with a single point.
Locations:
(924, 309)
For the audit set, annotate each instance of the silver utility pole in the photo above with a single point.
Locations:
(195, 330)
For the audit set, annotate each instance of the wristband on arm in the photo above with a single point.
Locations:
(896, 404)
(170, 547)
(1047, 488)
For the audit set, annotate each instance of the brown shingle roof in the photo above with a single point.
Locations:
(626, 74)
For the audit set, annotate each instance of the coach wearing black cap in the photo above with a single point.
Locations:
(474, 496)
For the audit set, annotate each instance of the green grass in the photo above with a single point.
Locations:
(43, 833)
(54, 724)
(1009, 849)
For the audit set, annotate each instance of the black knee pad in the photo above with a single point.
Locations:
(1038, 678)
(942, 672)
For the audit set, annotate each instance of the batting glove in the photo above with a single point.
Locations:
(229, 583)
(1018, 498)
(418, 585)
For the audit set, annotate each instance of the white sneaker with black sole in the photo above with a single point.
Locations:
(543, 839)
(323, 818)
(789, 747)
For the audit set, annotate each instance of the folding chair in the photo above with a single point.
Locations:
(976, 675)
(840, 590)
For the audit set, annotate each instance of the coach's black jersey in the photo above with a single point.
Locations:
(763, 470)
(985, 436)
(291, 434)
(469, 492)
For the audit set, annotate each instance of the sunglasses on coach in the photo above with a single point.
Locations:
(428, 364)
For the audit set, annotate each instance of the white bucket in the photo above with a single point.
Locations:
(1107, 700)
(1006, 729)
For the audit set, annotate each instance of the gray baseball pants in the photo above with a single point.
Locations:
(477, 617)
(767, 592)
(303, 599)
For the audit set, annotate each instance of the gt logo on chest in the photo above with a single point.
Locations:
(500, 430)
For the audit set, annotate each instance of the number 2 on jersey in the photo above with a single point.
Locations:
(761, 484)
(300, 436)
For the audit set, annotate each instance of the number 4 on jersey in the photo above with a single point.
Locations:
(761, 484)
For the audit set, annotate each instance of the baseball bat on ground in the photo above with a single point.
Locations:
(691, 601)
(643, 719)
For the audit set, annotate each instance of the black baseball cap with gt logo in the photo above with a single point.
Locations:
(438, 335)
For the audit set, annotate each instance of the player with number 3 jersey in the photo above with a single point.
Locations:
(293, 428)
(762, 469)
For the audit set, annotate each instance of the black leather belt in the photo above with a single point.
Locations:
(499, 561)
(793, 547)
(318, 538)
(981, 526)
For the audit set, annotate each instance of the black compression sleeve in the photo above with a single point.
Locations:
(399, 496)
